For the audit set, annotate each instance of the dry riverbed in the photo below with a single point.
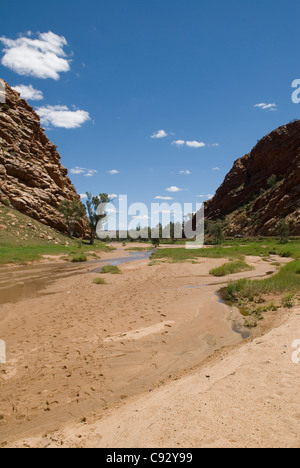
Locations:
(76, 349)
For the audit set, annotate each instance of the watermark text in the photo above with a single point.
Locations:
(296, 93)
(2, 92)
(296, 353)
(2, 352)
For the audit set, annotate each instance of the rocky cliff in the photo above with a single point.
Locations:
(263, 187)
(32, 180)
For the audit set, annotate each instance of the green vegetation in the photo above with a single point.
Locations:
(246, 293)
(215, 231)
(78, 258)
(113, 270)
(234, 249)
(29, 253)
(73, 212)
(23, 240)
(231, 268)
(288, 301)
(283, 231)
(272, 181)
(287, 280)
(5, 107)
(155, 243)
(96, 212)
(251, 296)
(99, 281)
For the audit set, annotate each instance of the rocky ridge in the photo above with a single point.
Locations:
(32, 179)
(262, 188)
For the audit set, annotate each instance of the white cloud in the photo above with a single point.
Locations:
(265, 106)
(216, 144)
(190, 144)
(112, 196)
(178, 143)
(62, 117)
(174, 189)
(113, 172)
(195, 144)
(29, 92)
(187, 172)
(83, 196)
(216, 169)
(159, 134)
(207, 197)
(83, 171)
(90, 173)
(163, 198)
(42, 57)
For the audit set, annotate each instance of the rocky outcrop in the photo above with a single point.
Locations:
(32, 180)
(263, 187)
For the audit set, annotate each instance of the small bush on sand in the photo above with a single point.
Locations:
(288, 301)
(99, 281)
(113, 270)
(231, 268)
(78, 258)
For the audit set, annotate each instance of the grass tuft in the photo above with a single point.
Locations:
(113, 270)
(99, 281)
(231, 268)
(78, 258)
(287, 280)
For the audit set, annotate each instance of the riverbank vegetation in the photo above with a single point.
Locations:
(23, 239)
(236, 249)
(253, 296)
(230, 268)
(111, 269)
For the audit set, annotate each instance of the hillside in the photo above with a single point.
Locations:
(262, 188)
(32, 179)
(24, 240)
(19, 229)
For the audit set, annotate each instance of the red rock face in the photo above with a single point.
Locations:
(32, 179)
(252, 203)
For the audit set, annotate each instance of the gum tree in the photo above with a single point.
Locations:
(96, 212)
(73, 211)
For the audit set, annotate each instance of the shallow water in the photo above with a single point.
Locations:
(245, 334)
(26, 281)
(20, 283)
(133, 257)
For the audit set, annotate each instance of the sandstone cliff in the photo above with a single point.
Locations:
(251, 199)
(32, 180)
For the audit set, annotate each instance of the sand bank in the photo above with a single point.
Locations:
(67, 361)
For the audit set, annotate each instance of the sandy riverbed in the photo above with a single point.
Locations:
(82, 353)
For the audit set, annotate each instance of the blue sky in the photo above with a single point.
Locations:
(123, 70)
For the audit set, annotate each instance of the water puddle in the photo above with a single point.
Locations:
(241, 331)
(245, 334)
(27, 281)
(133, 257)
(20, 283)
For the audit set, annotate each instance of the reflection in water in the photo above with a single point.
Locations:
(20, 283)
(133, 257)
(23, 282)
(245, 334)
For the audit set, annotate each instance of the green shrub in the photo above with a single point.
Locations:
(231, 268)
(285, 281)
(286, 254)
(113, 270)
(272, 181)
(288, 301)
(78, 258)
(99, 281)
